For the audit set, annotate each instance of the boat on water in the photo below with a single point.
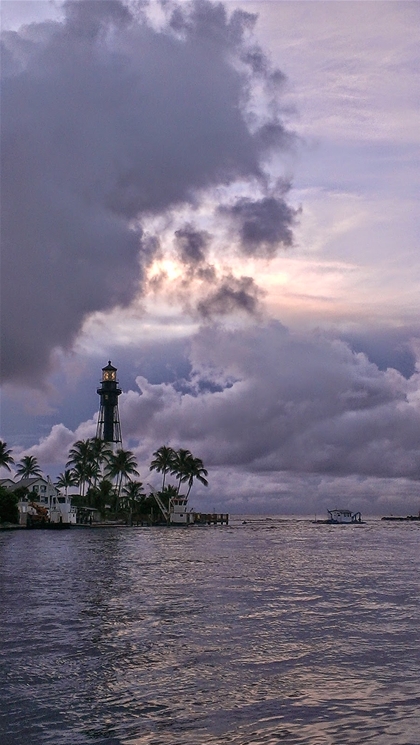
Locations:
(178, 513)
(343, 517)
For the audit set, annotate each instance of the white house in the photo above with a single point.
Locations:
(43, 492)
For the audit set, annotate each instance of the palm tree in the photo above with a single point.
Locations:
(168, 493)
(79, 473)
(28, 466)
(163, 461)
(100, 452)
(121, 465)
(133, 495)
(102, 495)
(181, 466)
(92, 472)
(197, 471)
(66, 479)
(80, 460)
(6, 458)
(79, 452)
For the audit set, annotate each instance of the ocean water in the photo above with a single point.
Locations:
(262, 632)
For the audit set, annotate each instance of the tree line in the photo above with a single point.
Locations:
(106, 479)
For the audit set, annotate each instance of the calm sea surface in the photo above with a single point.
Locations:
(260, 633)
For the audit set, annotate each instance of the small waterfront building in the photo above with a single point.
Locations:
(42, 491)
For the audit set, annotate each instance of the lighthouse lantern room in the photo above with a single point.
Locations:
(108, 428)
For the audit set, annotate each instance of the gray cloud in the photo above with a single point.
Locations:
(286, 403)
(263, 224)
(192, 245)
(282, 421)
(231, 295)
(219, 292)
(106, 119)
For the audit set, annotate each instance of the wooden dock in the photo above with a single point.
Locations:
(211, 518)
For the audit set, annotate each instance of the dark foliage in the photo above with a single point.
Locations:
(9, 512)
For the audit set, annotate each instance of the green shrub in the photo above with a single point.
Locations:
(9, 512)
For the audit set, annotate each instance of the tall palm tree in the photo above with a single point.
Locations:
(92, 472)
(121, 465)
(102, 495)
(80, 460)
(181, 466)
(79, 473)
(28, 466)
(163, 461)
(100, 452)
(6, 458)
(66, 479)
(133, 495)
(168, 493)
(197, 471)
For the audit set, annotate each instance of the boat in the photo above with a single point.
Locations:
(408, 518)
(177, 513)
(343, 517)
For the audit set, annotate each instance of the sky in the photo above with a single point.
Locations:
(221, 199)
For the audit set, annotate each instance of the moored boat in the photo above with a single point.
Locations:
(408, 518)
(343, 517)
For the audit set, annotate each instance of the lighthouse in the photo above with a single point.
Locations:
(108, 428)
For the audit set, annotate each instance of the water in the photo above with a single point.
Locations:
(254, 634)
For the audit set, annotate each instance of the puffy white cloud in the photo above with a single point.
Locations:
(283, 421)
(267, 400)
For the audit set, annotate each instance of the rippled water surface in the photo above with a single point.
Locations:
(260, 633)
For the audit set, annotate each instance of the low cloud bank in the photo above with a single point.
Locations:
(287, 403)
(269, 411)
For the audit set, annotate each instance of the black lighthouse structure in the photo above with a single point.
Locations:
(108, 428)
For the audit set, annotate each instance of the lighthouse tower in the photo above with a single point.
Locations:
(108, 428)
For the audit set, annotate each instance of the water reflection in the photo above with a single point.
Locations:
(255, 634)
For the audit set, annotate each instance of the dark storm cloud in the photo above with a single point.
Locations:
(231, 295)
(192, 245)
(220, 293)
(263, 225)
(105, 119)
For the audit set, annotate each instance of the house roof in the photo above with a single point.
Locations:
(31, 481)
(7, 483)
(27, 483)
